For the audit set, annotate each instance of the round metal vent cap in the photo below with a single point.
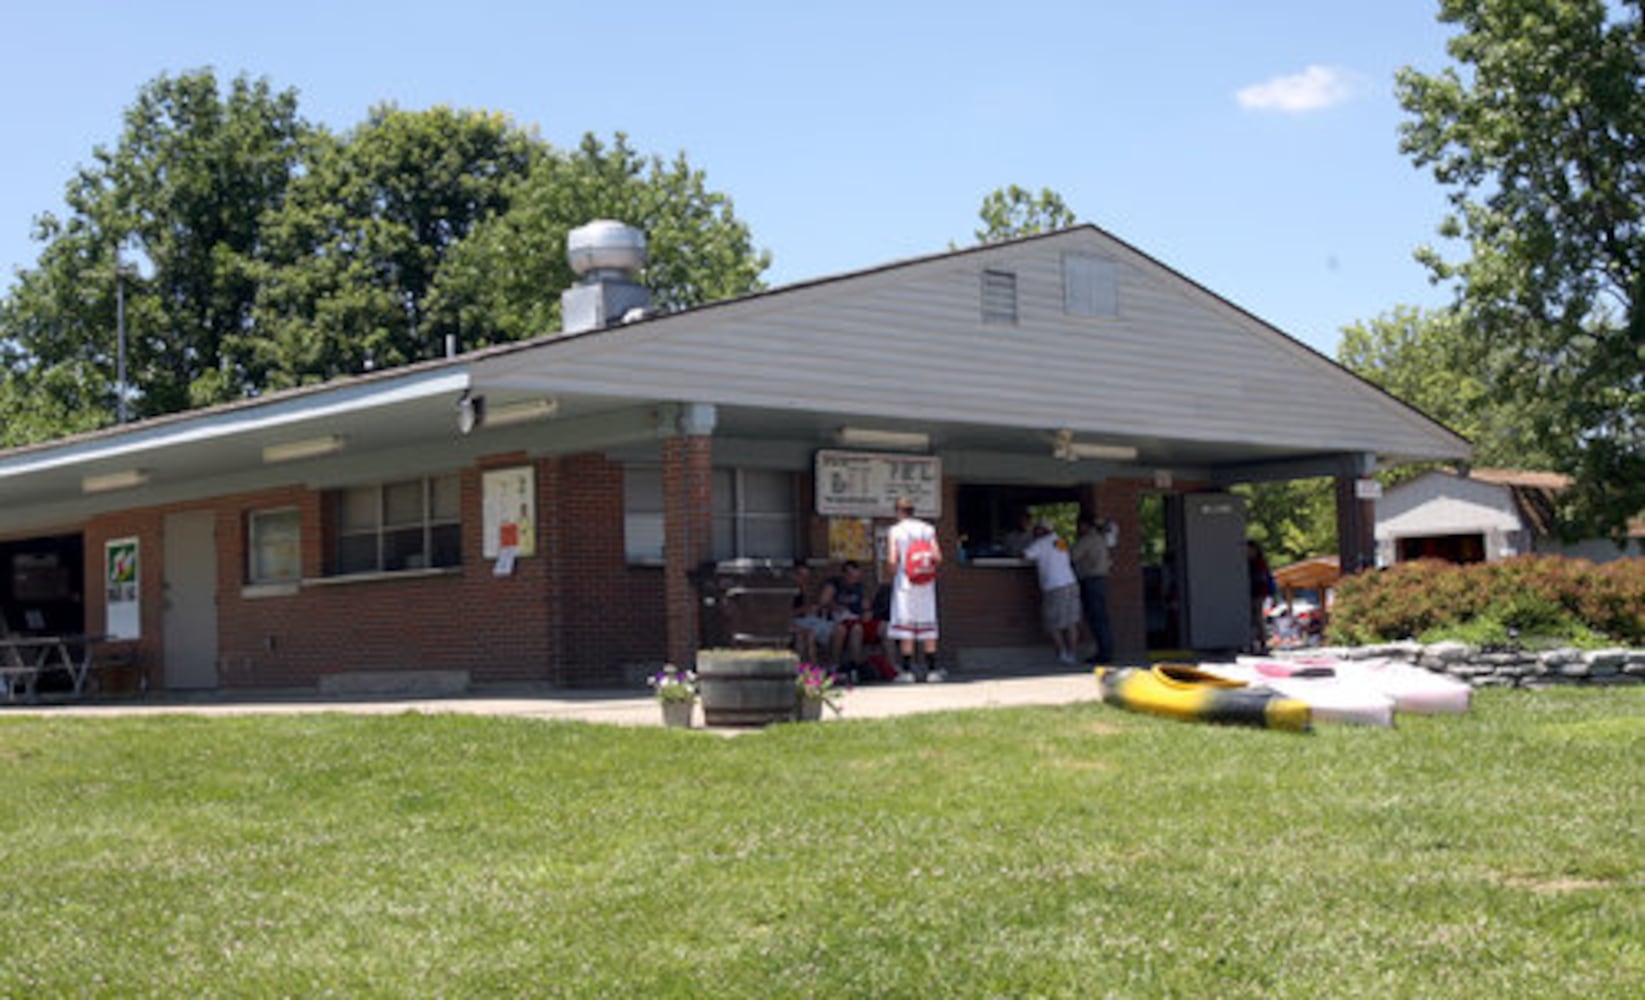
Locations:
(605, 244)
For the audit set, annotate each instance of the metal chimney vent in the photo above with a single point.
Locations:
(607, 256)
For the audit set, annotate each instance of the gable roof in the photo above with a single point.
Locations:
(1179, 371)
(1181, 374)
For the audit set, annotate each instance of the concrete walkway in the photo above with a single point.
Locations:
(628, 707)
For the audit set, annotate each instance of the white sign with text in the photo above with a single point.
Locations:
(868, 483)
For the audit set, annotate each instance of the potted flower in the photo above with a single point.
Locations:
(815, 686)
(676, 693)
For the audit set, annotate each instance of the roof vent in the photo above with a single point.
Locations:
(607, 257)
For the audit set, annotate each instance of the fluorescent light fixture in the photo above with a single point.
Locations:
(1064, 446)
(108, 481)
(1112, 452)
(291, 451)
(871, 437)
(519, 413)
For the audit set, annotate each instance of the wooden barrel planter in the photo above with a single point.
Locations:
(746, 687)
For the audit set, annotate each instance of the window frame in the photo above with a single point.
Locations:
(428, 524)
(266, 515)
(731, 525)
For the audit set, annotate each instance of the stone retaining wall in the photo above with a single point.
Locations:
(1504, 668)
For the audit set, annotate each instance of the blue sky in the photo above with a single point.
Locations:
(1253, 147)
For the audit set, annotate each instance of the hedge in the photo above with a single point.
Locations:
(1534, 595)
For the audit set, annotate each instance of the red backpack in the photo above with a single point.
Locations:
(919, 563)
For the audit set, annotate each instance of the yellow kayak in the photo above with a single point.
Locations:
(1178, 691)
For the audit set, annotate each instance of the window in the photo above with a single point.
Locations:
(274, 546)
(753, 513)
(1090, 286)
(999, 297)
(414, 524)
(643, 513)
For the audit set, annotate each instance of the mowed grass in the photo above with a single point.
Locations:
(1072, 852)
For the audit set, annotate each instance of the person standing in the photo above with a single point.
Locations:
(912, 556)
(1059, 590)
(1092, 559)
(1020, 537)
(1261, 582)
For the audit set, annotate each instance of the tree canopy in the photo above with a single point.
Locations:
(1433, 360)
(504, 281)
(1010, 212)
(358, 247)
(275, 253)
(184, 192)
(1538, 132)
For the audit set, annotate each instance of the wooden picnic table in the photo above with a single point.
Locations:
(23, 658)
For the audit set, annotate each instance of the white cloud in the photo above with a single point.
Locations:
(1314, 89)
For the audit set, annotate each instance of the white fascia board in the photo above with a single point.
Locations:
(238, 420)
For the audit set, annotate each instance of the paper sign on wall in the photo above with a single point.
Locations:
(509, 511)
(123, 617)
(850, 538)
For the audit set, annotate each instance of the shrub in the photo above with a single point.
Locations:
(1492, 603)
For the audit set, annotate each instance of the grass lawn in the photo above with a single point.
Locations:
(1075, 852)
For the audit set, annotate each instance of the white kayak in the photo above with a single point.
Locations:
(1328, 697)
(1414, 689)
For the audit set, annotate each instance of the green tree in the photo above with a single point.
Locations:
(184, 190)
(279, 254)
(1010, 212)
(40, 408)
(1433, 360)
(1292, 520)
(359, 244)
(504, 282)
(1539, 133)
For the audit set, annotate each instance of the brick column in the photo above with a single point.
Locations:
(1117, 499)
(688, 526)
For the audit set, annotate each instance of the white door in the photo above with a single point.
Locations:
(190, 594)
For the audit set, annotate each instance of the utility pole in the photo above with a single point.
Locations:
(120, 338)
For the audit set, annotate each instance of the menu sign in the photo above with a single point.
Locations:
(868, 483)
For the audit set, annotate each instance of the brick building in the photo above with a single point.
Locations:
(546, 511)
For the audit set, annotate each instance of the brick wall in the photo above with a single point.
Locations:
(612, 614)
(574, 615)
(498, 628)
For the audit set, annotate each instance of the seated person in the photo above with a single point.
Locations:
(863, 641)
(815, 624)
(844, 599)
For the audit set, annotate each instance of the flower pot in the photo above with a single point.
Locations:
(746, 687)
(810, 709)
(677, 714)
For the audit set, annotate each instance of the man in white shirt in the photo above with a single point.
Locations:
(1059, 588)
(913, 601)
